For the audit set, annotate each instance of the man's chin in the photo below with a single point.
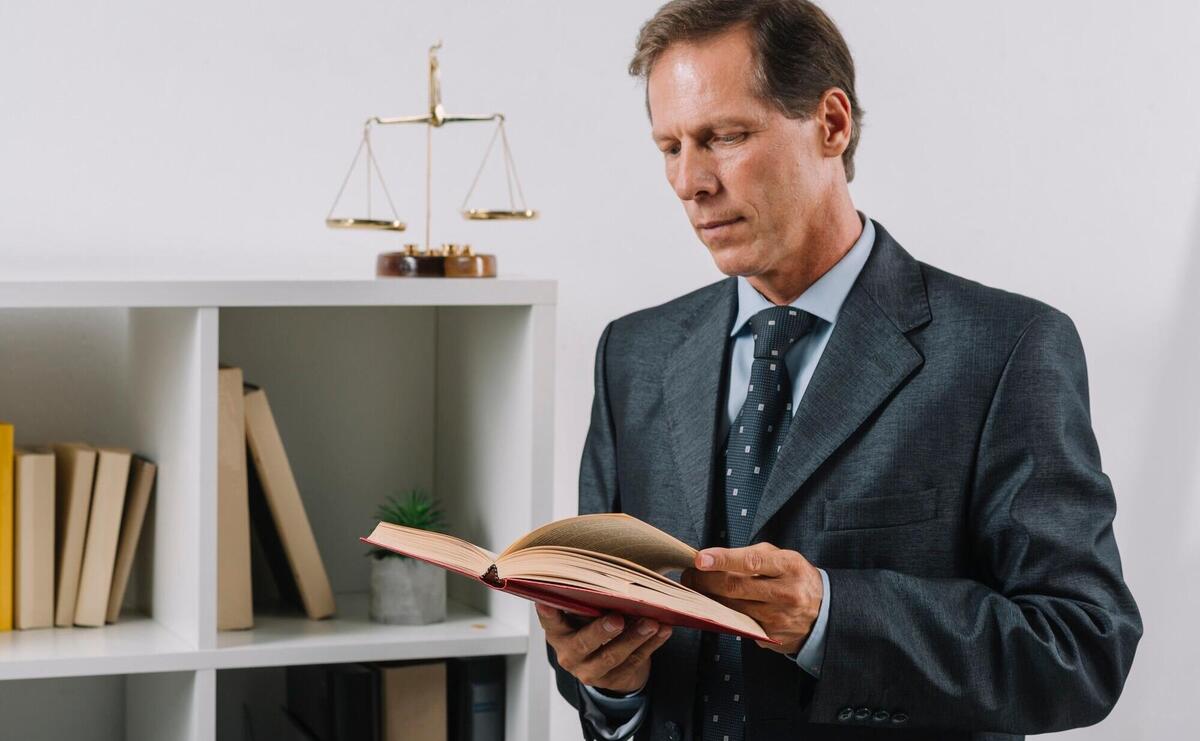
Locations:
(733, 259)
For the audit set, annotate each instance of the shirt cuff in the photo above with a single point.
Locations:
(613, 717)
(812, 653)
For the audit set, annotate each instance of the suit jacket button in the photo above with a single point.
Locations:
(862, 713)
(880, 716)
(672, 729)
(899, 717)
(845, 714)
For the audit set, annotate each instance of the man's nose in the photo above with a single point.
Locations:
(693, 175)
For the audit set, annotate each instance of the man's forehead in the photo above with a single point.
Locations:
(711, 79)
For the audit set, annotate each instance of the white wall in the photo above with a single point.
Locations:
(1046, 147)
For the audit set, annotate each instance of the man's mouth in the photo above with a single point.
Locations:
(717, 224)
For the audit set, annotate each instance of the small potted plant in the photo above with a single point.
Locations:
(405, 591)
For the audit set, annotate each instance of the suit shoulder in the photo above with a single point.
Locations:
(665, 317)
(979, 308)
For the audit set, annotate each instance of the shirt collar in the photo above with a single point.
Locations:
(824, 298)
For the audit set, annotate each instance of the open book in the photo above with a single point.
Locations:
(587, 565)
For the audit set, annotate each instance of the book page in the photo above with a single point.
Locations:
(578, 569)
(612, 534)
(439, 548)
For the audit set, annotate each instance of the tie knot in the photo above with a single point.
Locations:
(777, 328)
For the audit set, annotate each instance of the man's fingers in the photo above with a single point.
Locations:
(760, 558)
(730, 584)
(637, 657)
(553, 621)
(616, 653)
(642, 653)
(595, 634)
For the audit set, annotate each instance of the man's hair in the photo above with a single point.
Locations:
(799, 50)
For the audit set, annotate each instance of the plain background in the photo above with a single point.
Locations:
(1045, 147)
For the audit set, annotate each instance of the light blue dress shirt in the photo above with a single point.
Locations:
(824, 300)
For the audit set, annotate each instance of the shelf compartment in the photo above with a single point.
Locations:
(352, 636)
(135, 644)
(138, 707)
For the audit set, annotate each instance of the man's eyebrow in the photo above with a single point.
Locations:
(719, 123)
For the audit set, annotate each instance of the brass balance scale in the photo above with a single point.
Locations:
(447, 260)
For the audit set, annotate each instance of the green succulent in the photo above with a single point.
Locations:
(414, 509)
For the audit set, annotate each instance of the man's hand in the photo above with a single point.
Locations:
(604, 653)
(780, 589)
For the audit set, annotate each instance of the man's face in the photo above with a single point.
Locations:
(751, 180)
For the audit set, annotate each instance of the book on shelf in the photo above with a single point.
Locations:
(235, 597)
(282, 497)
(74, 471)
(412, 700)
(6, 526)
(33, 538)
(586, 565)
(103, 532)
(476, 690)
(137, 499)
(389, 701)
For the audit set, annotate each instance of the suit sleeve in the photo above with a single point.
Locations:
(1042, 637)
(597, 493)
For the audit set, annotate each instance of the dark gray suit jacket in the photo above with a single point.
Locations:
(941, 467)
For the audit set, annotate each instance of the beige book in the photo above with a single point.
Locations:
(413, 701)
(587, 565)
(287, 509)
(74, 471)
(104, 529)
(137, 498)
(235, 597)
(33, 538)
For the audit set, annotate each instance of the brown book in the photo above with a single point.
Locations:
(235, 596)
(287, 509)
(33, 510)
(587, 565)
(413, 701)
(74, 471)
(103, 532)
(137, 498)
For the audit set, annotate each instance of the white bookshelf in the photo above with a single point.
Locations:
(376, 385)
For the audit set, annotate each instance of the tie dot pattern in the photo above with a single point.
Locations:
(750, 454)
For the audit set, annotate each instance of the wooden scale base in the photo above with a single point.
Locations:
(447, 261)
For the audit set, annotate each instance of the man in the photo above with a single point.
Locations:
(891, 468)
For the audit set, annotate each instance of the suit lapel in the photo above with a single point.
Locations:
(867, 358)
(692, 385)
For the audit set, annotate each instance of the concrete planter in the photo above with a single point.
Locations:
(405, 591)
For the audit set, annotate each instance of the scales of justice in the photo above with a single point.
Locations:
(448, 260)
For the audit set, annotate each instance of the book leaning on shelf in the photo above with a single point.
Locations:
(71, 517)
(586, 565)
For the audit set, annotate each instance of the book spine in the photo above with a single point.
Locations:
(6, 527)
(33, 539)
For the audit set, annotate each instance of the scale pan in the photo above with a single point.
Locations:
(486, 214)
(382, 225)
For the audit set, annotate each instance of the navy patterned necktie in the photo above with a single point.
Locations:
(754, 442)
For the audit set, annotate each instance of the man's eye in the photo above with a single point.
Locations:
(671, 151)
(730, 138)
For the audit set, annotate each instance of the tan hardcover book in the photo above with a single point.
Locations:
(287, 509)
(33, 538)
(235, 597)
(413, 699)
(137, 499)
(74, 472)
(586, 565)
(104, 529)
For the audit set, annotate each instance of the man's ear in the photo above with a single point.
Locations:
(836, 121)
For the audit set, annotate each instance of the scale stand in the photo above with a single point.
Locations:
(447, 260)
